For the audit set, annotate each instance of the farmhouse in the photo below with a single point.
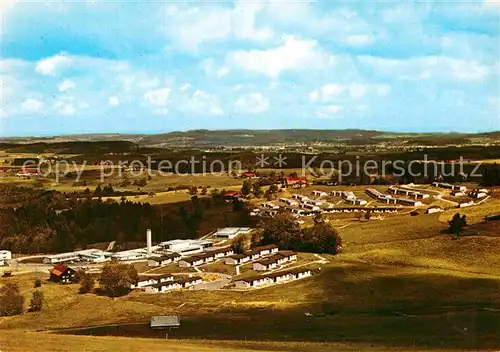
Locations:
(164, 259)
(296, 182)
(237, 259)
(231, 232)
(62, 274)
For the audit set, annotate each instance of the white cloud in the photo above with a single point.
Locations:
(383, 90)
(185, 87)
(253, 103)
(113, 101)
(66, 85)
(203, 103)
(51, 65)
(428, 67)
(358, 39)
(327, 111)
(66, 108)
(334, 91)
(31, 105)
(211, 69)
(293, 54)
(158, 98)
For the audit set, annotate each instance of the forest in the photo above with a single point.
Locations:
(50, 222)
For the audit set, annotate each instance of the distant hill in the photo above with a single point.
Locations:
(209, 138)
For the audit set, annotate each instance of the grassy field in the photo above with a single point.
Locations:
(399, 283)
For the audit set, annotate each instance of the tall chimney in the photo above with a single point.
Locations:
(237, 269)
(148, 240)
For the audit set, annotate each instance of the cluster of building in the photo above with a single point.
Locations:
(349, 197)
(4, 256)
(165, 283)
(385, 198)
(272, 262)
(272, 278)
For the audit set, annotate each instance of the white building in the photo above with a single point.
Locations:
(231, 232)
(434, 209)
(132, 254)
(185, 247)
(319, 193)
(288, 201)
(5, 254)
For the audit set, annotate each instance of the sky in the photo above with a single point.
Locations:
(70, 67)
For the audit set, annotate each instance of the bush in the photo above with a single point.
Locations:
(87, 284)
(11, 301)
(38, 283)
(36, 301)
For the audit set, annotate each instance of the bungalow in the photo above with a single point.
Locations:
(299, 273)
(164, 259)
(266, 264)
(237, 259)
(151, 280)
(189, 281)
(162, 287)
(314, 202)
(285, 256)
(356, 201)
(252, 254)
(319, 193)
(408, 202)
(5, 254)
(373, 193)
(268, 249)
(221, 252)
(337, 193)
(434, 209)
(254, 281)
(288, 201)
(27, 173)
(348, 195)
(191, 261)
(270, 205)
(62, 274)
(309, 206)
(278, 277)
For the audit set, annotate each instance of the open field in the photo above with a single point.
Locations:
(410, 286)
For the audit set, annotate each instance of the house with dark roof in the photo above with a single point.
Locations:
(272, 262)
(254, 281)
(62, 274)
(162, 287)
(237, 259)
(221, 252)
(189, 281)
(164, 259)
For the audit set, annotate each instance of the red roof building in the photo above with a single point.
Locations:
(62, 274)
(249, 174)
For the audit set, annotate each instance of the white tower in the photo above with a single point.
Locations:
(148, 241)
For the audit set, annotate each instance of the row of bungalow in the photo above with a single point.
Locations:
(449, 186)
(408, 192)
(349, 197)
(164, 286)
(273, 278)
(274, 261)
(384, 198)
(206, 257)
(252, 254)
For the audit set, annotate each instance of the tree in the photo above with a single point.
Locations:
(368, 214)
(246, 188)
(116, 279)
(11, 301)
(273, 188)
(241, 244)
(204, 191)
(456, 224)
(318, 219)
(36, 303)
(280, 230)
(257, 191)
(87, 284)
(38, 283)
(324, 239)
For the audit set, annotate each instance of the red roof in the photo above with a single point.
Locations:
(296, 179)
(232, 194)
(58, 269)
(249, 174)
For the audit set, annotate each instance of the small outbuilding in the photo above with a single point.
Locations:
(62, 274)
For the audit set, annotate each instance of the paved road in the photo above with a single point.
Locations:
(214, 285)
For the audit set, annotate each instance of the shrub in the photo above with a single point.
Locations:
(11, 301)
(38, 283)
(36, 301)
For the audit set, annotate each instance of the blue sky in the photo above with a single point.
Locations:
(151, 67)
